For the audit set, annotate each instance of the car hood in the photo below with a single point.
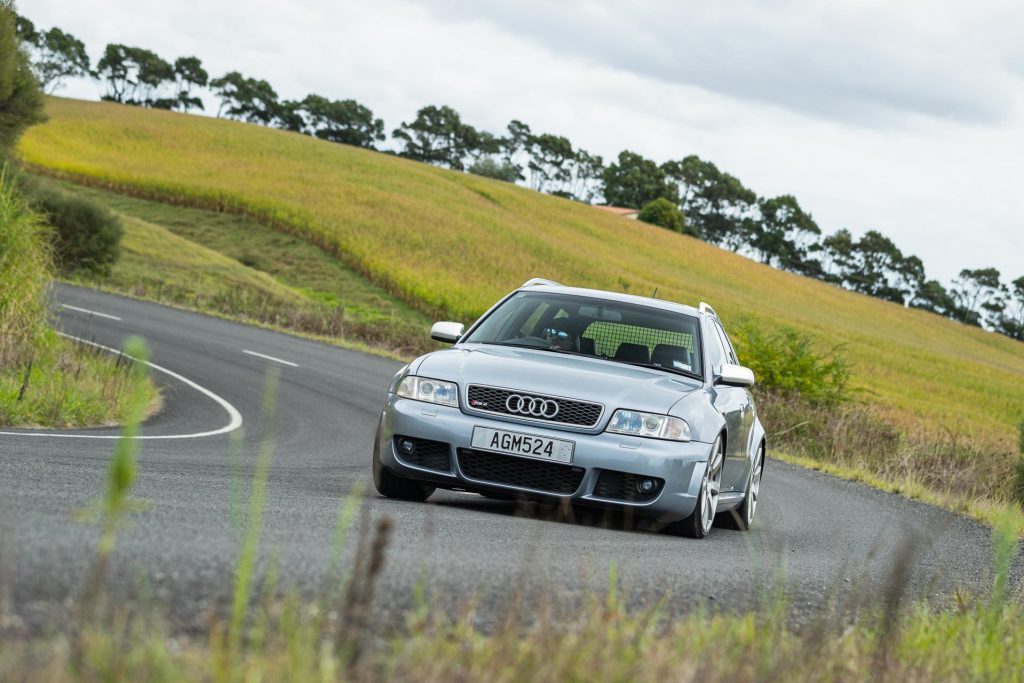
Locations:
(616, 385)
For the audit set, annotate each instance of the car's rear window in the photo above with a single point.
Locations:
(616, 331)
(609, 337)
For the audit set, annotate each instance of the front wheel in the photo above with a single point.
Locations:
(698, 524)
(742, 517)
(390, 485)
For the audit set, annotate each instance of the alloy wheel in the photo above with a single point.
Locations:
(711, 488)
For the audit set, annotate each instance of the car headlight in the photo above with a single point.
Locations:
(429, 390)
(649, 424)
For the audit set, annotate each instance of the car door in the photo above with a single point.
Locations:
(732, 403)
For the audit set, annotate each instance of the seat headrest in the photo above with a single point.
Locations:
(668, 355)
(633, 353)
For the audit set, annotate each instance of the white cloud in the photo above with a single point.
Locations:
(902, 118)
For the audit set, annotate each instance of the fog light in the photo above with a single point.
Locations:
(646, 485)
(407, 446)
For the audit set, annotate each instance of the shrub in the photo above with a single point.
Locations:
(662, 212)
(87, 236)
(785, 362)
(25, 271)
(490, 168)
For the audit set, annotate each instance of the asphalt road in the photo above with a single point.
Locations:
(823, 538)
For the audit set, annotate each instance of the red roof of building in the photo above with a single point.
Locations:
(618, 210)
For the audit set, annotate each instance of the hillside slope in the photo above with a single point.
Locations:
(453, 243)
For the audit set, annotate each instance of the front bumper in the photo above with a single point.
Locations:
(680, 466)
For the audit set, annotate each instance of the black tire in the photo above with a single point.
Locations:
(742, 517)
(697, 525)
(390, 485)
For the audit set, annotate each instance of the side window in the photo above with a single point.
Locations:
(730, 353)
(716, 350)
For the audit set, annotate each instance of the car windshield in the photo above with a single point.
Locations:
(612, 330)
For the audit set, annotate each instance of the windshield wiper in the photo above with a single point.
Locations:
(558, 349)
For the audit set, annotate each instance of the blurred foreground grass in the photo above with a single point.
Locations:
(883, 636)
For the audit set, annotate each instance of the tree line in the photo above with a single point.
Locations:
(689, 195)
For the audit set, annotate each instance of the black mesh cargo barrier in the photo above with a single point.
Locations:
(494, 400)
(525, 473)
(622, 486)
(431, 455)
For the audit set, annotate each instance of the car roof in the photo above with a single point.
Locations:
(614, 296)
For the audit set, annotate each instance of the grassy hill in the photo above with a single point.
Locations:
(449, 244)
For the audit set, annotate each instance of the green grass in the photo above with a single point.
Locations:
(449, 244)
(295, 263)
(45, 380)
(233, 266)
(63, 384)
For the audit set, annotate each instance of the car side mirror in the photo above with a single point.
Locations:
(735, 376)
(447, 332)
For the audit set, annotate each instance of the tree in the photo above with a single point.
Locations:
(932, 296)
(115, 69)
(550, 156)
(717, 206)
(877, 266)
(586, 170)
(784, 234)
(344, 121)
(437, 136)
(25, 30)
(134, 75)
(288, 115)
(247, 99)
(976, 292)
(838, 256)
(911, 276)
(21, 100)
(663, 212)
(633, 181)
(59, 55)
(1011, 320)
(486, 145)
(188, 74)
(515, 144)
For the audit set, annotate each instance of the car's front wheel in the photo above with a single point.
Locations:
(742, 517)
(698, 524)
(390, 485)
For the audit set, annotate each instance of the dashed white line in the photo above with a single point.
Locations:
(266, 357)
(234, 421)
(90, 312)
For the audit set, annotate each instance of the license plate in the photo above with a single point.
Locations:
(526, 445)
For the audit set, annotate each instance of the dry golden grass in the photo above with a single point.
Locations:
(452, 243)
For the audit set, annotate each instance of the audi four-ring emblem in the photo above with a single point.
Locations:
(531, 405)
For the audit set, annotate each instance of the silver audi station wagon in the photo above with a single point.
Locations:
(579, 395)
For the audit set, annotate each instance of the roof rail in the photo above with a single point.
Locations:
(704, 308)
(534, 281)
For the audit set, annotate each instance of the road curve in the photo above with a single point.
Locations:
(821, 536)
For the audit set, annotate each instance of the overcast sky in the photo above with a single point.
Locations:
(906, 117)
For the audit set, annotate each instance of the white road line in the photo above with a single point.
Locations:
(234, 422)
(265, 356)
(86, 310)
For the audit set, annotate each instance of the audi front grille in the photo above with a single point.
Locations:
(531, 406)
